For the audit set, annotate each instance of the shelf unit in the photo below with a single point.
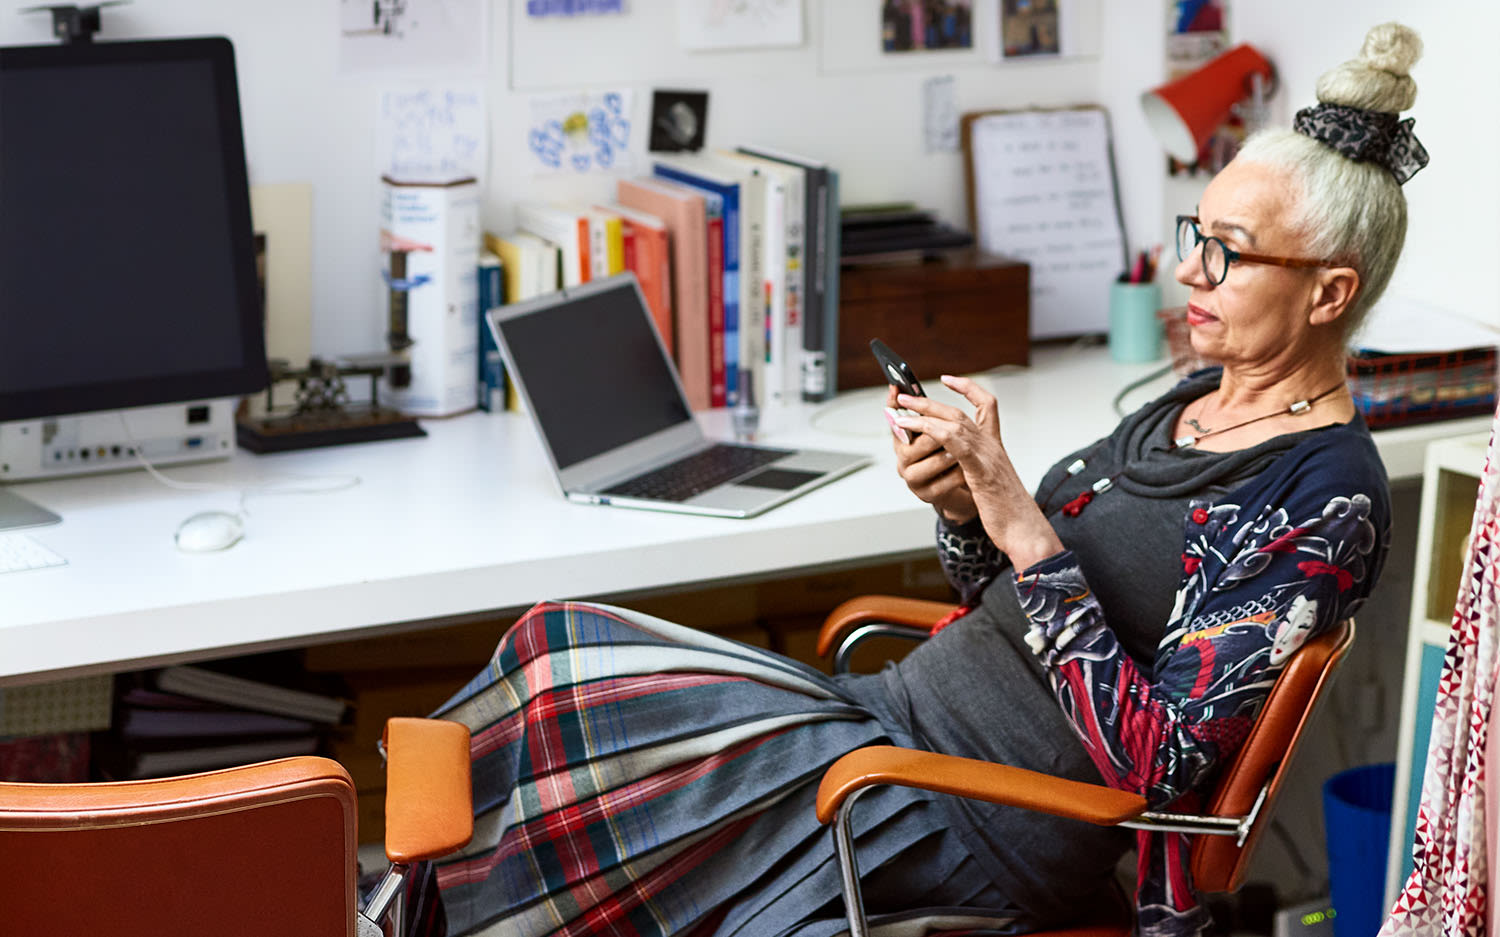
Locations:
(1450, 483)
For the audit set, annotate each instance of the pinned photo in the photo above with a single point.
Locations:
(1028, 27)
(679, 121)
(918, 25)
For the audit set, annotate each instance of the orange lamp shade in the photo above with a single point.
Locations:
(1183, 113)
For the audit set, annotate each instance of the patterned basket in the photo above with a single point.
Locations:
(1394, 390)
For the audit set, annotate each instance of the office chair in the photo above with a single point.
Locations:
(262, 849)
(1237, 811)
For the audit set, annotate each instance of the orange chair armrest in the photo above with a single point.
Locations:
(978, 780)
(867, 609)
(429, 802)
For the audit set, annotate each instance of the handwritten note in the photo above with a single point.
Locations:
(583, 132)
(1044, 192)
(432, 134)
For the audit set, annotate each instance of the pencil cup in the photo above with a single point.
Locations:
(1135, 333)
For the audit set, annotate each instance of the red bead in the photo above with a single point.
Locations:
(1075, 507)
(1200, 516)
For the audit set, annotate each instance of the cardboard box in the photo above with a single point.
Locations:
(429, 240)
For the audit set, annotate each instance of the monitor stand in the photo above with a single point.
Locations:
(16, 511)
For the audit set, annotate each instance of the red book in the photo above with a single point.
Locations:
(716, 312)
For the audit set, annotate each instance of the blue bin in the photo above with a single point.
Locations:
(1357, 823)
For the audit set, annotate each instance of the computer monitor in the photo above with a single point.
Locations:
(127, 257)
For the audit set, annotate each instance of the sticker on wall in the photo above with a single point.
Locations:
(584, 132)
(738, 24)
(940, 116)
(573, 7)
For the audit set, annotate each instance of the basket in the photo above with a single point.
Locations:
(1396, 390)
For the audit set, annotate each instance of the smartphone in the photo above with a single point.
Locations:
(896, 370)
(900, 374)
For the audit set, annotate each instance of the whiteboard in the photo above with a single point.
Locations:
(1043, 191)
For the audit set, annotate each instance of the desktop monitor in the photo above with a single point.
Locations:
(127, 258)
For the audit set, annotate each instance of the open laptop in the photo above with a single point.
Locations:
(615, 422)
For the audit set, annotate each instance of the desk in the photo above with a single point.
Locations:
(468, 522)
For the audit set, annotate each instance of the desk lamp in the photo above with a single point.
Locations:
(1183, 113)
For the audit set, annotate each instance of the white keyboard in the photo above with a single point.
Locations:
(18, 552)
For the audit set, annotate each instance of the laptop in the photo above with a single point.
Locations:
(615, 422)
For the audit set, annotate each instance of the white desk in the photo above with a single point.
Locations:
(468, 521)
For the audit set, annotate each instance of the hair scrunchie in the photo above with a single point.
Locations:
(1365, 136)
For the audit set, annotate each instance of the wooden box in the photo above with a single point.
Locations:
(957, 314)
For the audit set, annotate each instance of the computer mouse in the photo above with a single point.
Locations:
(210, 531)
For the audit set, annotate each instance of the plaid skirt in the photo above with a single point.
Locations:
(637, 777)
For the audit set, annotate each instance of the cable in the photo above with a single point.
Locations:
(335, 482)
(1137, 383)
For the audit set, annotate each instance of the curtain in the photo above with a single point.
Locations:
(1446, 893)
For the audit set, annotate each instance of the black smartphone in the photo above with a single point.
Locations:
(899, 373)
(896, 370)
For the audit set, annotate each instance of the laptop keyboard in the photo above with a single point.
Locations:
(710, 468)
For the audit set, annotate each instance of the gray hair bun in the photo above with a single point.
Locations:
(1379, 79)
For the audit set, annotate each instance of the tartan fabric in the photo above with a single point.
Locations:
(636, 777)
(1446, 892)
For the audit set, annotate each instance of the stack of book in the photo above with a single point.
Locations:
(181, 720)
(896, 233)
(737, 254)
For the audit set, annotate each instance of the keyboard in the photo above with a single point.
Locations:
(698, 473)
(18, 552)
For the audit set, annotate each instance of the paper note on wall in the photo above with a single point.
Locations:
(431, 134)
(1044, 193)
(427, 34)
(590, 131)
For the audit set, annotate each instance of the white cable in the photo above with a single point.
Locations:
(335, 482)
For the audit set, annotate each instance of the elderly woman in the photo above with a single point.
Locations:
(1124, 624)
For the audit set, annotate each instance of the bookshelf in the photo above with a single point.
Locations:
(1450, 481)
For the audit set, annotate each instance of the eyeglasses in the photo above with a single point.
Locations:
(1217, 256)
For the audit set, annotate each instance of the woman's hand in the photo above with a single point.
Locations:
(933, 475)
(1010, 515)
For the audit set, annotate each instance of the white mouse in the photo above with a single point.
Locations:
(210, 531)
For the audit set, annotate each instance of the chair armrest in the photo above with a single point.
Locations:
(878, 609)
(979, 780)
(429, 808)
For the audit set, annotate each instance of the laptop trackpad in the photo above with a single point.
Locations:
(778, 478)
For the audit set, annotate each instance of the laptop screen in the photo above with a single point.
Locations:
(595, 372)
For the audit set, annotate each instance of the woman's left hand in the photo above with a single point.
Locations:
(1010, 515)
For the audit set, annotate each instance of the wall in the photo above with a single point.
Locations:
(306, 123)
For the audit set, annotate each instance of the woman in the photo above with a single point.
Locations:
(638, 777)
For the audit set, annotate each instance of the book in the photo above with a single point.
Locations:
(647, 248)
(568, 231)
(743, 300)
(820, 298)
(606, 254)
(211, 685)
(685, 216)
(491, 379)
(140, 722)
(786, 249)
(129, 762)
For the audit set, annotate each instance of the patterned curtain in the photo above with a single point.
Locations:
(1446, 892)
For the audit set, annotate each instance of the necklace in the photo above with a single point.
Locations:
(1075, 507)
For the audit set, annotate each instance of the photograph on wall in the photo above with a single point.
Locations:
(1028, 27)
(1197, 32)
(738, 24)
(679, 121)
(926, 25)
(582, 132)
